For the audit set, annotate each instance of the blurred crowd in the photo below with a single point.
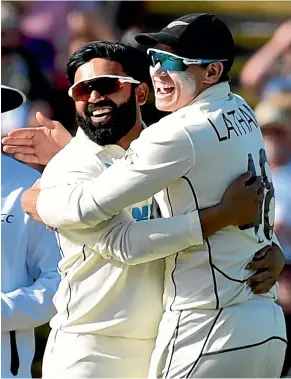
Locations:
(37, 37)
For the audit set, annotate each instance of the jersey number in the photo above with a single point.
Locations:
(268, 200)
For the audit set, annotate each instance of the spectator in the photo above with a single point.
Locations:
(274, 116)
(29, 276)
(20, 69)
(269, 70)
(55, 22)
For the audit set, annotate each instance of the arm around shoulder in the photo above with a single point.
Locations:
(156, 159)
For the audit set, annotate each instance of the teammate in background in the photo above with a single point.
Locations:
(93, 317)
(30, 255)
(191, 156)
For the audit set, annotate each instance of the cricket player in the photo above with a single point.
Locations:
(213, 325)
(30, 255)
(103, 305)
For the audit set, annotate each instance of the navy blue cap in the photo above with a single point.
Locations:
(196, 36)
(11, 98)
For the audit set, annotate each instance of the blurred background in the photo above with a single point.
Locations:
(37, 37)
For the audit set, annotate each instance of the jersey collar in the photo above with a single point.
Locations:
(94, 147)
(216, 92)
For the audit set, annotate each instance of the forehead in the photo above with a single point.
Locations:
(99, 66)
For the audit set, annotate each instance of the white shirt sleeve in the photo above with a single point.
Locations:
(162, 154)
(139, 242)
(32, 306)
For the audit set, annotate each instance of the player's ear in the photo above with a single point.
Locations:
(141, 93)
(213, 72)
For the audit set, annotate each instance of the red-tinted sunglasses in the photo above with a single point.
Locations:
(103, 84)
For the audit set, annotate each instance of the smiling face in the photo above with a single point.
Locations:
(106, 118)
(176, 89)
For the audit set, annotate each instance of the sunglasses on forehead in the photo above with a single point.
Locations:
(103, 84)
(173, 62)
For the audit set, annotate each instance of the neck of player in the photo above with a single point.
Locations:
(133, 134)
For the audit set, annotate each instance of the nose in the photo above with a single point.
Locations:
(94, 97)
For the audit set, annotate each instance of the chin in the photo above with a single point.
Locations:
(165, 106)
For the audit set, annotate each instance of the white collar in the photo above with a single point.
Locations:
(94, 147)
(215, 92)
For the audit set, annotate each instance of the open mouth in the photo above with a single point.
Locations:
(101, 114)
(163, 89)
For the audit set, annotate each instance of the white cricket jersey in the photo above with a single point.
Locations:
(99, 293)
(29, 276)
(191, 156)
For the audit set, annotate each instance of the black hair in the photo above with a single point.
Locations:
(133, 61)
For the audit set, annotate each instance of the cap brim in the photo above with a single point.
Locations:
(11, 98)
(151, 39)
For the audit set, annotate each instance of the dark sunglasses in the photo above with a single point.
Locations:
(173, 62)
(103, 84)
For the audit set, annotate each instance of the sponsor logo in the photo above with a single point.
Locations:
(7, 218)
(177, 23)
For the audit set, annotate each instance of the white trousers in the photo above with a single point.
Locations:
(243, 341)
(70, 355)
